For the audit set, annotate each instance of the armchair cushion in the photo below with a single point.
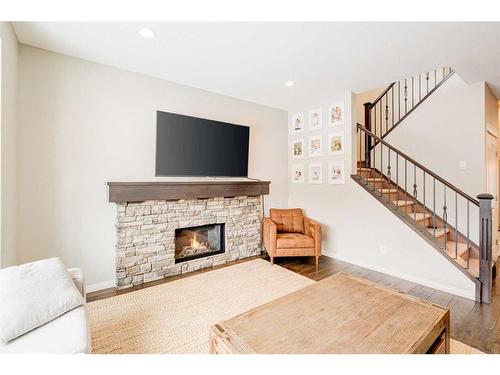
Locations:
(293, 240)
(288, 220)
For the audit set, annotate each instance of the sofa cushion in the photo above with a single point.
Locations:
(293, 240)
(33, 294)
(68, 334)
(288, 220)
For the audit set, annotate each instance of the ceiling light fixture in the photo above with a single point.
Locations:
(147, 33)
(289, 83)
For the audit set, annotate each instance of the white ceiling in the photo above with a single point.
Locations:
(252, 61)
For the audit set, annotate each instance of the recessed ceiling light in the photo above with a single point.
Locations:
(289, 83)
(147, 33)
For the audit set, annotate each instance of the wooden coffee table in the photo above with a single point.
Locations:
(339, 314)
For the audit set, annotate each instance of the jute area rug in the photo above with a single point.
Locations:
(175, 317)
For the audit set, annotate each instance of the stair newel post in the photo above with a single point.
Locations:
(368, 138)
(485, 246)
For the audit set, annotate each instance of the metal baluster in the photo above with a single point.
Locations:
(468, 238)
(435, 77)
(374, 158)
(359, 147)
(389, 182)
(375, 123)
(397, 177)
(427, 81)
(445, 217)
(412, 93)
(399, 100)
(415, 193)
(381, 169)
(386, 113)
(380, 103)
(434, 207)
(392, 106)
(420, 87)
(424, 207)
(406, 185)
(456, 225)
(406, 96)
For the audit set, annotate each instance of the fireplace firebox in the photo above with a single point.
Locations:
(199, 241)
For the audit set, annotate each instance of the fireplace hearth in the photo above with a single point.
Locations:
(198, 241)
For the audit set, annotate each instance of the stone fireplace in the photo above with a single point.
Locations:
(166, 237)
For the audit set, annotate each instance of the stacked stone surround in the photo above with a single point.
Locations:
(145, 246)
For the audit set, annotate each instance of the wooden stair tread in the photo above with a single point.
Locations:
(440, 232)
(365, 169)
(402, 203)
(461, 248)
(473, 267)
(375, 179)
(419, 216)
(473, 264)
(387, 190)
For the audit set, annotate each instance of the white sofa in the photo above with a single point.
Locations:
(67, 334)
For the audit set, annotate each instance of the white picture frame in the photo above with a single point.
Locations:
(315, 119)
(298, 149)
(336, 172)
(315, 146)
(336, 143)
(298, 123)
(298, 173)
(336, 114)
(315, 173)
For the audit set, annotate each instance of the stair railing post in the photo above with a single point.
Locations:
(368, 138)
(485, 246)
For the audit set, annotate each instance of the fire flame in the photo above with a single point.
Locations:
(195, 244)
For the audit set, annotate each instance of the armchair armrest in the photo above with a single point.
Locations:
(77, 276)
(313, 229)
(270, 231)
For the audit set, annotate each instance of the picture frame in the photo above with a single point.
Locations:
(315, 119)
(315, 173)
(336, 172)
(298, 173)
(336, 114)
(315, 146)
(336, 143)
(298, 123)
(298, 149)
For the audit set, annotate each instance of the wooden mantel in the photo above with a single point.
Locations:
(145, 191)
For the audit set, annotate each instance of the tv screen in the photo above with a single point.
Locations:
(191, 146)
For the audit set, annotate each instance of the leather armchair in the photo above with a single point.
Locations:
(288, 233)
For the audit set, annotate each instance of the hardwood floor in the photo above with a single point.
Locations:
(477, 325)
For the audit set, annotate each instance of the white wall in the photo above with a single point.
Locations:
(360, 230)
(8, 88)
(82, 124)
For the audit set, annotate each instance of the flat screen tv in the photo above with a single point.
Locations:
(191, 146)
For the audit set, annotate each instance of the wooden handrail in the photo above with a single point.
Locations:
(416, 163)
(381, 95)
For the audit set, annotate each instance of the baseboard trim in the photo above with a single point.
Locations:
(100, 286)
(445, 288)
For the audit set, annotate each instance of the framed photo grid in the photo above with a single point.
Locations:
(317, 145)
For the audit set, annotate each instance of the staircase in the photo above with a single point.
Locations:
(455, 224)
